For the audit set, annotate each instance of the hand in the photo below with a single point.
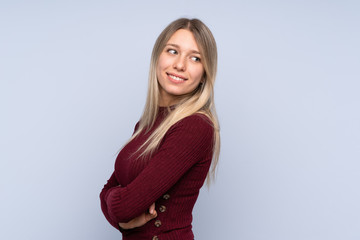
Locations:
(140, 220)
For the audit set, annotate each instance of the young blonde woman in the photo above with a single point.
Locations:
(159, 172)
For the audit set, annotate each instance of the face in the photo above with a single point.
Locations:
(179, 70)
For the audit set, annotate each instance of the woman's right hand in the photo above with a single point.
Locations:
(140, 220)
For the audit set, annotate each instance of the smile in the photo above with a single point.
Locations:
(176, 78)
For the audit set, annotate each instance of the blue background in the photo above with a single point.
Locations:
(73, 79)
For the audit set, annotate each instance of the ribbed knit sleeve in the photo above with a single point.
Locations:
(112, 182)
(185, 144)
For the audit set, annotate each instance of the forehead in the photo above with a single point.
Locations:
(184, 39)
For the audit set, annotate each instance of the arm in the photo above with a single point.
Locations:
(140, 220)
(112, 182)
(184, 144)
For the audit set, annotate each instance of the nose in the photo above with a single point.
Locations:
(180, 63)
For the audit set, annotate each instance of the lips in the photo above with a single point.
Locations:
(176, 77)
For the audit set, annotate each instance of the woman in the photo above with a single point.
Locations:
(159, 172)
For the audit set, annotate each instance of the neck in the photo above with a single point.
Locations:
(169, 101)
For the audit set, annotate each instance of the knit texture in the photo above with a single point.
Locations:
(171, 177)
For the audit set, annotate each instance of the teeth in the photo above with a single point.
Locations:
(176, 78)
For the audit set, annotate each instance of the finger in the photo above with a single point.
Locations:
(149, 216)
(152, 209)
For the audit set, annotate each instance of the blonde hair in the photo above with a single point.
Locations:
(201, 100)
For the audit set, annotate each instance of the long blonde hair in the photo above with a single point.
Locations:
(199, 101)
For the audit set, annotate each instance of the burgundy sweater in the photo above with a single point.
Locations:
(171, 177)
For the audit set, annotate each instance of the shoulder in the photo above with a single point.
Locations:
(198, 124)
(198, 119)
(193, 134)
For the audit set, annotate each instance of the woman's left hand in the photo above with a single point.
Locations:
(140, 220)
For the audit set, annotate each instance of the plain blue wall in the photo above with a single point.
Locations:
(73, 78)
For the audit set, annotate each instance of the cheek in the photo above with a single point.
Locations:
(159, 68)
(197, 74)
(162, 62)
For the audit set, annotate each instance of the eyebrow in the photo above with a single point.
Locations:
(177, 46)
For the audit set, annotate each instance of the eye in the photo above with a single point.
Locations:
(196, 59)
(172, 51)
